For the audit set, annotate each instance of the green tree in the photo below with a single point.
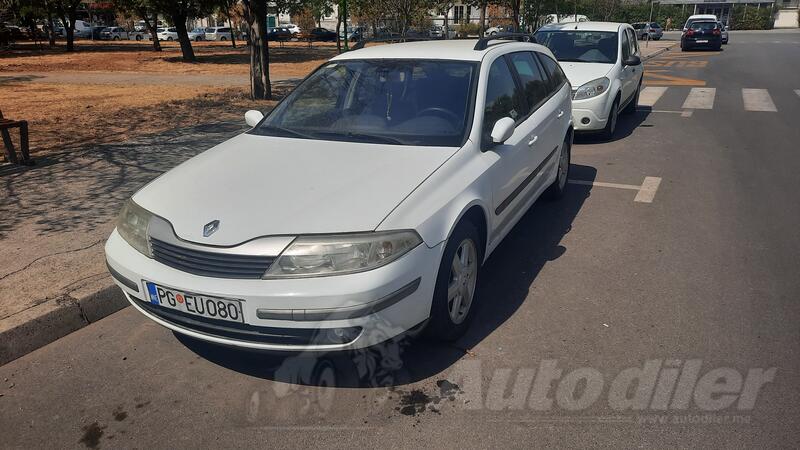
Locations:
(179, 12)
(144, 10)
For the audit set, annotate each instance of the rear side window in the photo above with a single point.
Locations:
(554, 72)
(705, 26)
(502, 96)
(534, 82)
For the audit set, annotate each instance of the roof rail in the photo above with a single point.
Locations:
(483, 42)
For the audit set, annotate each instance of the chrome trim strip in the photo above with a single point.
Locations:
(347, 312)
(159, 228)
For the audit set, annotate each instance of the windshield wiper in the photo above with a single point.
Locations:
(286, 131)
(374, 138)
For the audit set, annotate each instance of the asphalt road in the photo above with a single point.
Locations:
(703, 277)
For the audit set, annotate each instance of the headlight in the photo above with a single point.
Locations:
(132, 226)
(310, 256)
(592, 89)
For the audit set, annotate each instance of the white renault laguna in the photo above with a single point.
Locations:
(602, 61)
(362, 206)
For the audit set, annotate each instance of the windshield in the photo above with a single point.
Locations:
(401, 101)
(581, 46)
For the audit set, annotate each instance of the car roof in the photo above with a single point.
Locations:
(586, 26)
(453, 49)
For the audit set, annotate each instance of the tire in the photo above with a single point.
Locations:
(138, 38)
(169, 38)
(444, 325)
(611, 126)
(556, 190)
(630, 108)
(116, 38)
(223, 38)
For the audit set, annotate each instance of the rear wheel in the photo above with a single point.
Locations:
(169, 38)
(456, 284)
(559, 186)
(223, 38)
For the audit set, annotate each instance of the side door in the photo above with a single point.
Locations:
(513, 159)
(561, 95)
(627, 72)
(544, 116)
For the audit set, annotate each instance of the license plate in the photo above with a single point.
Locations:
(195, 304)
(702, 41)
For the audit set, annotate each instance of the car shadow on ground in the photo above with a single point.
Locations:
(506, 280)
(626, 125)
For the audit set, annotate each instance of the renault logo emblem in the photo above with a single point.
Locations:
(210, 228)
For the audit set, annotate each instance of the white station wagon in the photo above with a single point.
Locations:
(360, 207)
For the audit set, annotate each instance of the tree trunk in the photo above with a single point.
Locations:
(183, 37)
(260, 87)
(233, 32)
(70, 29)
(51, 32)
(338, 33)
(151, 28)
(482, 20)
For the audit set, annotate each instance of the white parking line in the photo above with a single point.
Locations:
(648, 190)
(700, 98)
(645, 193)
(650, 95)
(758, 100)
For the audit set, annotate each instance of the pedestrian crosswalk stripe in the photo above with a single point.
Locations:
(758, 100)
(650, 95)
(700, 98)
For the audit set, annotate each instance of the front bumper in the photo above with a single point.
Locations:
(290, 314)
(591, 114)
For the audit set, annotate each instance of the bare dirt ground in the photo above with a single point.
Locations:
(68, 115)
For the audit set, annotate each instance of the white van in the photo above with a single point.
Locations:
(83, 29)
(697, 17)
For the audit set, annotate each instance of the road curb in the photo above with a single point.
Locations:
(658, 52)
(55, 318)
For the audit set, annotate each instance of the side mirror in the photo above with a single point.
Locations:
(503, 129)
(252, 117)
(632, 60)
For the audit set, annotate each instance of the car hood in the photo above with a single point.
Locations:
(259, 186)
(580, 73)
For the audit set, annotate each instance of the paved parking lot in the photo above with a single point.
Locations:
(674, 252)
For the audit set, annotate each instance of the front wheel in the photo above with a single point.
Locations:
(138, 38)
(223, 38)
(169, 38)
(456, 284)
(611, 124)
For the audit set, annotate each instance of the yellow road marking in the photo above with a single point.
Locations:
(660, 78)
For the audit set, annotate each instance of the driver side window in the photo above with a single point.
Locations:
(626, 45)
(503, 99)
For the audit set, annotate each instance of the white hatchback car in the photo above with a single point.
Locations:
(602, 61)
(362, 206)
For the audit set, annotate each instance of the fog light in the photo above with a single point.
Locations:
(585, 121)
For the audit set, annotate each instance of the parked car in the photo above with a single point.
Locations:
(279, 34)
(491, 31)
(218, 34)
(114, 33)
(696, 17)
(408, 165)
(83, 29)
(138, 35)
(198, 34)
(167, 34)
(97, 32)
(724, 31)
(645, 30)
(603, 64)
(322, 34)
(702, 34)
(294, 29)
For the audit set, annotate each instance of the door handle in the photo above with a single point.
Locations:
(560, 114)
(533, 141)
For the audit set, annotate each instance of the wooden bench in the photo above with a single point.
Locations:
(11, 154)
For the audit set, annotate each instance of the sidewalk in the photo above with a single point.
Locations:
(651, 49)
(54, 220)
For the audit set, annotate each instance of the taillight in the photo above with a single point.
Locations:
(716, 32)
(690, 32)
